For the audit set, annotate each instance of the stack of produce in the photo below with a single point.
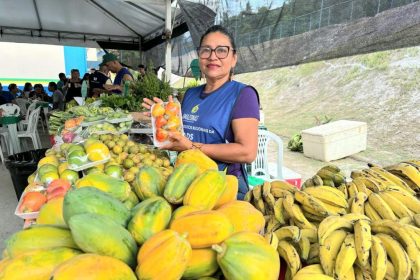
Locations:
(367, 228)
(96, 234)
(57, 120)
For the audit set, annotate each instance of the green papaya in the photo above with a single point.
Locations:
(179, 181)
(115, 187)
(149, 182)
(92, 200)
(149, 217)
(38, 237)
(132, 200)
(100, 235)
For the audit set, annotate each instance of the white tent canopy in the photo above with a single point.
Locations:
(82, 22)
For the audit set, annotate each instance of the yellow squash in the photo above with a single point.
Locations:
(163, 256)
(243, 216)
(204, 228)
(206, 189)
(93, 267)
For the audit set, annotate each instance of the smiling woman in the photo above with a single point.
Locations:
(220, 117)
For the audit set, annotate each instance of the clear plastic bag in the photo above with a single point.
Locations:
(166, 118)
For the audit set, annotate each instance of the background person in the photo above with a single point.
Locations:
(220, 117)
(27, 89)
(97, 81)
(57, 97)
(73, 86)
(62, 81)
(122, 73)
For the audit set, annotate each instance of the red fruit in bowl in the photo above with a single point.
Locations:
(58, 183)
(172, 108)
(32, 202)
(160, 121)
(57, 192)
(161, 135)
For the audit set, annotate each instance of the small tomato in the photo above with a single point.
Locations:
(158, 110)
(172, 109)
(161, 135)
(160, 121)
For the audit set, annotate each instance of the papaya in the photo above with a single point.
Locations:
(184, 210)
(246, 255)
(231, 191)
(179, 181)
(243, 216)
(203, 263)
(149, 217)
(93, 267)
(132, 200)
(92, 200)
(149, 182)
(100, 235)
(163, 256)
(51, 213)
(36, 265)
(206, 190)
(197, 157)
(204, 228)
(115, 187)
(38, 237)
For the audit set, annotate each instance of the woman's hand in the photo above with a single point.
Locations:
(147, 103)
(178, 143)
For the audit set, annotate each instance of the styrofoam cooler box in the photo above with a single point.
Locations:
(334, 140)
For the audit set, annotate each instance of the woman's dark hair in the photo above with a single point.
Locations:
(86, 77)
(12, 86)
(61, 75)
(221, 29)
(53, 85)
(27, 87)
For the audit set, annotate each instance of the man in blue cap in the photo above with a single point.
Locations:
(123, 74)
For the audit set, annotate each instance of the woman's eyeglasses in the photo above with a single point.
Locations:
(220, 51)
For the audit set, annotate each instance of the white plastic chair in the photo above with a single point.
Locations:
(22, 105)
(10, 109)
(259, 168)
(24, 123)
(1, 152)
(31, 131)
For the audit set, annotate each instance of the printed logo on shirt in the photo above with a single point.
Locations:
(191, 118)
(194, 109)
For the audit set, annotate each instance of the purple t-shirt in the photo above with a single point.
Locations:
(247, 106)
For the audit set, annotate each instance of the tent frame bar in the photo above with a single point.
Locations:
(37, 14)
(145, 10)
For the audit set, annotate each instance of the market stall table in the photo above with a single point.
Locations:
(11, 123)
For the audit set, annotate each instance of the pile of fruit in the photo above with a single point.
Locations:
(367, 228)
(166, 118)
(188, 225)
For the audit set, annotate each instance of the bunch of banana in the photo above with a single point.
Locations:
(409, 171)
(331, 175)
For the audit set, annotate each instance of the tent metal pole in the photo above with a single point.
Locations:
(37, 15)
(168, 34)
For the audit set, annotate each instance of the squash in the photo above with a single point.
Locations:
(203, 262)
(179, 181)
(36, 265)
(197, 157)
(149, 182)
(204, 228)
(206, 189)
(164, 256)
(231, 191)
(246, 255)
(149, 217)
(93, 267)
(243, 216)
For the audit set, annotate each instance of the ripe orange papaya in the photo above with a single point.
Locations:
(231, 191)
(197, 157)
(243, 216)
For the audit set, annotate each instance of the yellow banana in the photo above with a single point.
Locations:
(411, 202)
(279, 193)
(397, 255)
(304, 247)
(390, 271)
(381, 207)
(310, 233)
(345, 258)
(343, 188)
(248, 196)
(272, 224)
(269, 203)
(329, 250)
(282, 185)
(352, 189)
(371, 212)
(372, 184)
(317, 180)
(290, 255)
(311, 269)
(313, 256)
(307, 199)
(406, 170)
(272, 239)
(256, 193)
(396, 206)
(266, 187)
(300, 219)
(328, 195)
(358, 205)
(360, 185)
(378, 259)
(332, 223)
(313, 272)
(355, 173)
(394, 179)
(363, 241)
(416, 219)
(310, 216)
(407, 220)
(289, 232)
(278, 211)
(331, 167)
(260, 205)
(288, 202)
